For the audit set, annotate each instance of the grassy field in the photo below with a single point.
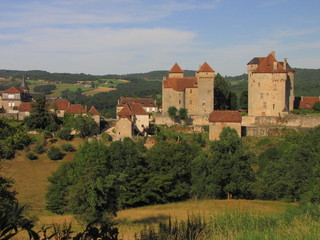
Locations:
(98, 90)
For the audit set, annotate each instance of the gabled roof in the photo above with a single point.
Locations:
(205, 68)
(61, 104)
(256, 60)
(14, 90)
(225, 116)
(266, 66)
(308, 102)
(180, 84)
(145, 102)
(93, 111)
(25, 107)
(131, 109)
(176, 69)
(75, 109)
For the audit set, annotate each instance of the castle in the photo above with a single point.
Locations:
(196, 94)
(270, 86)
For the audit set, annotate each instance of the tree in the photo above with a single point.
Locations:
(183, 113)
(83, 124)
(40, 117)
(233, 101)
(316, 106)
(54, 153)
(45, 89)
(244, 100)
(224, 170)
(221, 93)
(172, 111)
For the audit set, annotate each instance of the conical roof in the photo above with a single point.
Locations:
(205, 68)
(24, 85)
(176, 69)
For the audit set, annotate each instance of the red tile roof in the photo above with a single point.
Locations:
(266, 65)
(61, 104)
(308, 102)
(14, 90)
(75, 109)
(180, 84)
(25, 107)
(225, 116)
(145, 102)
(205, 68)
(176, 69)
(131, 109)
(93, 111)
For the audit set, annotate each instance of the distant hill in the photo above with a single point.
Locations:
(307, 81)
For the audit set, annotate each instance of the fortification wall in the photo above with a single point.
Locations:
(269, 131)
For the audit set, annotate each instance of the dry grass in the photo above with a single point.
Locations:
(132, 220)
(98, 90)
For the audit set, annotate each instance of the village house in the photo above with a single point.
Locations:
(221, 119)
(193, 93)
(270, 86)
(308, 102)
(148, 104)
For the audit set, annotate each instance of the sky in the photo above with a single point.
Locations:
(136, 36)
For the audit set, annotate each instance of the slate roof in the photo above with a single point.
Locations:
(176, 69)
(93, 111)
(14, 90)
(225, 116)
(180, 84)
(61, 104)
(75, 109)
(25, 107)
(205, 68)
(145, 102)
(308, 102)
(131, 109)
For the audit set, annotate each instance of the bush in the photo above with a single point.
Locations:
(54, 154)
(106, 137)
(65, 133)
(39, 148)
(68, 147)
(31, 156)
(316, 106)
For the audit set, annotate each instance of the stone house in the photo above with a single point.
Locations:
(148, 104)
(137, 115)
(196, 94)
(60, 106)
(221, 119)
(24, 110)
(270, 86)
(12, 98)
(123, 128)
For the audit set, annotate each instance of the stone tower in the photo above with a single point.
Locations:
(24, 86)
(270, 86)
(193, 93)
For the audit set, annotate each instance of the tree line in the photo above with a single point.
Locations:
(104, 179)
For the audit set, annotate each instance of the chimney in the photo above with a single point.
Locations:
(273, 54)
(275, 66)
(285, 63)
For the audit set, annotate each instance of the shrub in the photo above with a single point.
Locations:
(65, 133)
(39, 148)
(54, 154)
(106, 137)
(316, 106)
(31, 156)
(68, 147)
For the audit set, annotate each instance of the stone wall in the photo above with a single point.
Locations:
(215, 129)
(269, 131)
(291, 120)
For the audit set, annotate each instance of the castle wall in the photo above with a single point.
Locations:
(173, 98)
(191, 102)
(267, 94)
(206, 93)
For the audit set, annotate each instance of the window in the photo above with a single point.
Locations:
(261, 95)
(190, 102)
(273, 106)
(265, 105)
(190, 90)
(179, 101)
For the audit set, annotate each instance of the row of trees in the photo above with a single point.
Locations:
(103, 179)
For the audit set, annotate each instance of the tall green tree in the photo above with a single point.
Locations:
(224, 170)
(40, 116)
(83, 124)
(244, 100)
(221, 93)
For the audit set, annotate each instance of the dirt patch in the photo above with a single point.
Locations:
(98, 90)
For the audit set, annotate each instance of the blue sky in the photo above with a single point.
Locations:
(127, 36)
